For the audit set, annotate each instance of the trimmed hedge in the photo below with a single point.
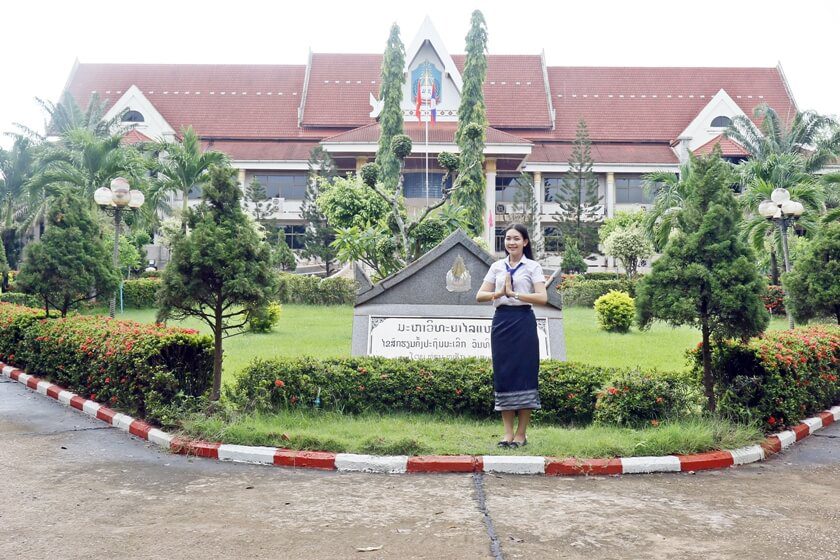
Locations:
(456, 386)
(311, 290)
(19, 298)
(145, 370)
(615, 312)
(778, 378)
(141, 293)
(584, 292)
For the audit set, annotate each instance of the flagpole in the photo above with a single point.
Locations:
(427, 159)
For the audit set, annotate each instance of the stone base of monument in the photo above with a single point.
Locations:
(428, 309)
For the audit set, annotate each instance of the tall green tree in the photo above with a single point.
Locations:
(71, 262)
(706, 277)
(813, 286)
(472, 126)
(319, 234)
(221, 271)
(525, 210)
(579, 203)
(391, 117)
(183, 166)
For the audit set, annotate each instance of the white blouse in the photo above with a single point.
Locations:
(526, 276)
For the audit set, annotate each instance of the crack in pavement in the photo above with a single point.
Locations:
(826, 436)
(495, 545)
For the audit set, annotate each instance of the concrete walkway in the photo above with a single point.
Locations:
(72, 487)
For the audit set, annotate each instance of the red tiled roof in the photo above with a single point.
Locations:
(620, 105)
(339, 88)
(134, 136)
(222, 100)
(262, 150)
(514, 91)
(655, 104)
(606, 153)
(439, 133)
(729, 148)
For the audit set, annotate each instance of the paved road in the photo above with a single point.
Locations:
(72, 487)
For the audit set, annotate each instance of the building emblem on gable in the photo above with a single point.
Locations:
(428, 77)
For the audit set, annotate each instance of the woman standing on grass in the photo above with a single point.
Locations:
(513, 284)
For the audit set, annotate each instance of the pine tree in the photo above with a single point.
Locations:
(472, 126)
(318, 234)
(391, 117)
(221, 271)
(526, 211)
(580, 204)
(706, 277)
(71, 262)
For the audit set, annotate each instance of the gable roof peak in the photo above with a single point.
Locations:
(427, 32)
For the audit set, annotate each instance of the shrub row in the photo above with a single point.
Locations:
(779, 378)
(311, 290)
(568, 391)
(140, 293)
(19, 298)
(144, 370)
(582, 291)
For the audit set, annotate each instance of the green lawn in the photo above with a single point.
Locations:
(325, 332)
(418, 434)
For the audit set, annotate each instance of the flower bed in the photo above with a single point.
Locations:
(780, 377)
(146, 370)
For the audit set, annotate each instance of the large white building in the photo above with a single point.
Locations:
(267, 118)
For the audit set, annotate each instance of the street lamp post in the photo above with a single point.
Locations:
(113, 200)
(783, 211)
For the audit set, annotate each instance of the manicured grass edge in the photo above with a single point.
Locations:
(427, 464)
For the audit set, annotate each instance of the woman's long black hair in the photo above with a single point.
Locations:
(524, 232)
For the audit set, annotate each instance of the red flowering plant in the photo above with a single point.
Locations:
(638, 398)
(774, 300)
(139, 368)
(778, 378)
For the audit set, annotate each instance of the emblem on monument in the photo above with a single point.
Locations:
(458, 277)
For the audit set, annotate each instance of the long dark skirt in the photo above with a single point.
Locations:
(516, 358)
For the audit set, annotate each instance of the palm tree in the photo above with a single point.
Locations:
(670, 192)
(67, 115)
(813, 136)
(760, 178)
(831, 191)
(181, 167)
(85, 161)
(17, 210)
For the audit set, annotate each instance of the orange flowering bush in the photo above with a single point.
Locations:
(139, 368)
(778, 378)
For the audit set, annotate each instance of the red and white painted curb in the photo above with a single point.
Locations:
(512, 464)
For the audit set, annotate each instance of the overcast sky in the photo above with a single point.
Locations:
(41, 39)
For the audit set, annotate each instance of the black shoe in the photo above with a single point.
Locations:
(519, 444)
(504, 444)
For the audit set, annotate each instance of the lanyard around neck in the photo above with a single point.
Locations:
(512, 271)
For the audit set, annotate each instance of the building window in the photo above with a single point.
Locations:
(551, 187)
(500, 239)
(294, 236)
(629, 190)
(507, 187)
(133, 116)
(291, 186)
(414, 184)
(552, 240)
(721, 122)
